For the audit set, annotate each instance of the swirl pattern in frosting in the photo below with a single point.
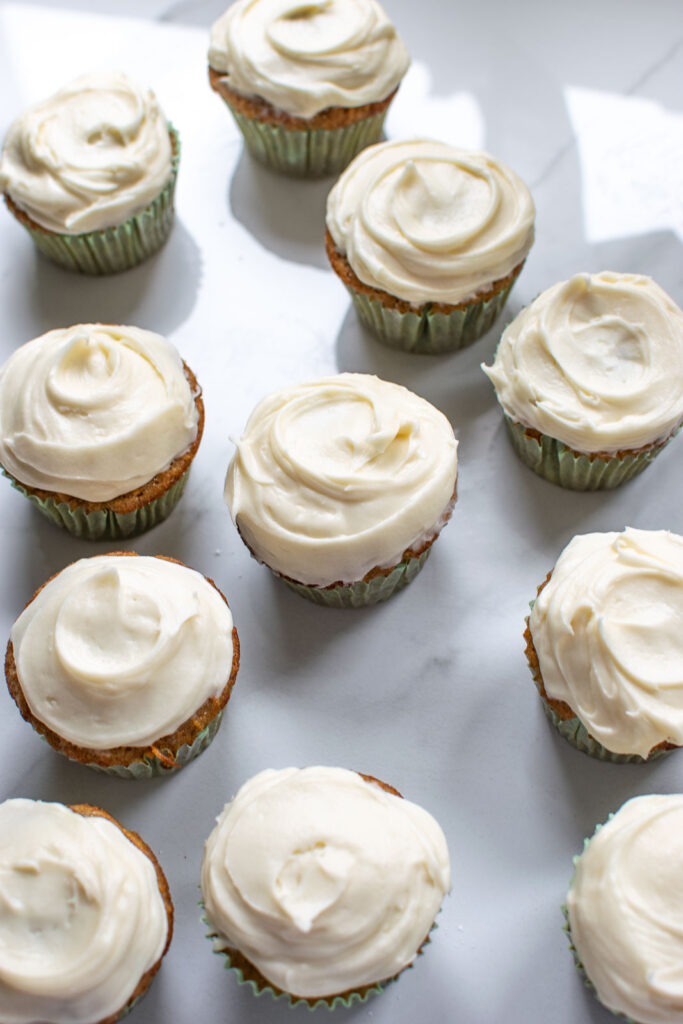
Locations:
(608, 631)
(336, 476)
(596, 362)
(303, 57)
(122, 650)
(88, 157)
(323, 880)
(427, 222)
(81, 915)
(94, 411)
(625, 909)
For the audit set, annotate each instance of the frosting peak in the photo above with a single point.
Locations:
(305, 57)
(89, 156)
(427, 222)
(94, 411)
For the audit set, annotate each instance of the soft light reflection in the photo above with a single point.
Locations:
(631, 153)
(418, 113)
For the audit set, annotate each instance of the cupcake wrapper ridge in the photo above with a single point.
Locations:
(362, 593)
(425, 330)
(112, 250)
(104, 524)
(154, 767)
(309, 153)
(558, 464)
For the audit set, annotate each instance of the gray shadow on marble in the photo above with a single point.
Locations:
(55, 297)
(286, 215)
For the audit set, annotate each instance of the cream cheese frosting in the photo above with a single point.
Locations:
(88, 157)
(81, 915)
(304, 57)
(121, 650)
(608, 631)
(596, 362)
(625, 909)
(94, 411)
(336, 476)
(427, 222)
(322, 880)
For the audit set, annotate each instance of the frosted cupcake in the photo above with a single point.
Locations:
(85, 915)
(341, 485)
(99, 425)
(590, 379)
(91, 172)
(605, 644)
(624, 913)
(322, 884)
(309, 85)
(125, 663)
(428, 239)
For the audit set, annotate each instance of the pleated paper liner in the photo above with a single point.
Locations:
(103, 523)
(114, 249)
(365, 592)
(247, 974)
(558, 464)
(163, 763)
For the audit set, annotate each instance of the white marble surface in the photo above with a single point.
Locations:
(430, 691)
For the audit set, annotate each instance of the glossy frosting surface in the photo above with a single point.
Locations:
(89, 156)
(94, 410)
(305, 57)
(81, 915)
(596, 362)
(336, 476)
(121, 650)
(324, 881)
(626, 910)
(608, 631)
(425, 221)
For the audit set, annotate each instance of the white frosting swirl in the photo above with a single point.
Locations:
(626, 910)
(120, 650)
(596, 362)
(81, 915)
(89, 156)
(306, 55)
(323, 881)
(339, 475)
(94, 410)
(430, 223)
(608, 632)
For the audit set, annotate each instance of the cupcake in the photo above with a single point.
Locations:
(91, 172)
(341, 485)
(590, 379)
(85, 914)
(124, 663)
(605, 644)
(322, 884)
(624, 911)
(99, 425)
(309, 85)
(428, 240)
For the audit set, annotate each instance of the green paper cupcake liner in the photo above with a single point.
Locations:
(153, 767)
(426, 331)
(555, 462)
(111, 250)
(101, 524)
(307, 153)
(261, 989)
(362, 594)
